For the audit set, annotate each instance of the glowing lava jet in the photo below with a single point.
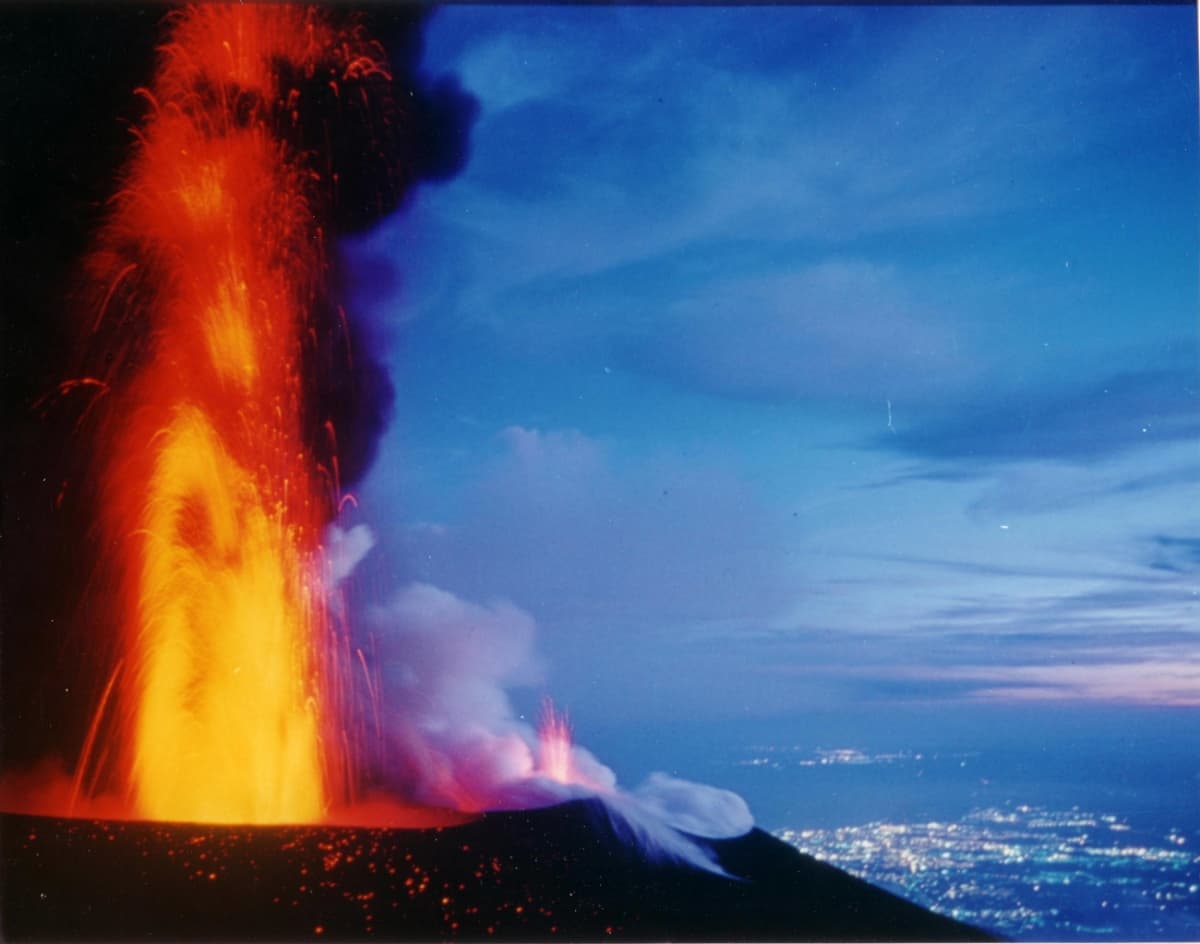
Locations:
(556, 758)
(554, 745)
(213, 497)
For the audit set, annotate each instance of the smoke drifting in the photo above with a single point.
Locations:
(451, 737)
(377, 145)
(694, 808)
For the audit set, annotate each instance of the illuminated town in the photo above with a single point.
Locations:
(1028, 872)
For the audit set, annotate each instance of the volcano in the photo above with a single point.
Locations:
(557, 872)
(216, 399)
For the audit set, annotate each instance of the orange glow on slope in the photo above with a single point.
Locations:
(212, 504)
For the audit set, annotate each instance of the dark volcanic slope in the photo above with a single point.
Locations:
(557, 872)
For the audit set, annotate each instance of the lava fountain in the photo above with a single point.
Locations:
(226, 704)
(555, 753)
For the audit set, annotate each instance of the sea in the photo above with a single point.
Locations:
(1036, 822)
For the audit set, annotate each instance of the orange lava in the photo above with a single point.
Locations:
(48, 790)
(382, 812)
(213, 505)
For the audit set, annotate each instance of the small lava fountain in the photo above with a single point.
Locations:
(555, 750)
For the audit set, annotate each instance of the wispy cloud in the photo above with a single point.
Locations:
(1176, 554)
(1119, 629)
(841, 328)
(1079, 423)
(1038, 571)
(600, 146)
(572, 530)
(1171, 681)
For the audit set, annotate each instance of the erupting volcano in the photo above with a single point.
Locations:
(263, 733)
(216, 358)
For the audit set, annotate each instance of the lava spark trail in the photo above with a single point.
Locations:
(554, 745)
(214, 499)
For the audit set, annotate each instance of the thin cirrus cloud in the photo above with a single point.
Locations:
(1134, 645)
(840, 329)
(1174, 680)
(1154, 478)
(1176, 554)
(678, 147)
(1080, 422)
(1113, 610)
(1114, 620)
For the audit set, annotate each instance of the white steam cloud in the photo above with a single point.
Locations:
(694, 807)
(451, 737)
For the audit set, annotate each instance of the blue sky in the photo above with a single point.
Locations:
(780, 357)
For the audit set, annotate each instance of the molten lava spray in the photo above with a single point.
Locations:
(214, 500)
(554, 745)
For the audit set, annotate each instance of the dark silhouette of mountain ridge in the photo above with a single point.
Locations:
(562, 872)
